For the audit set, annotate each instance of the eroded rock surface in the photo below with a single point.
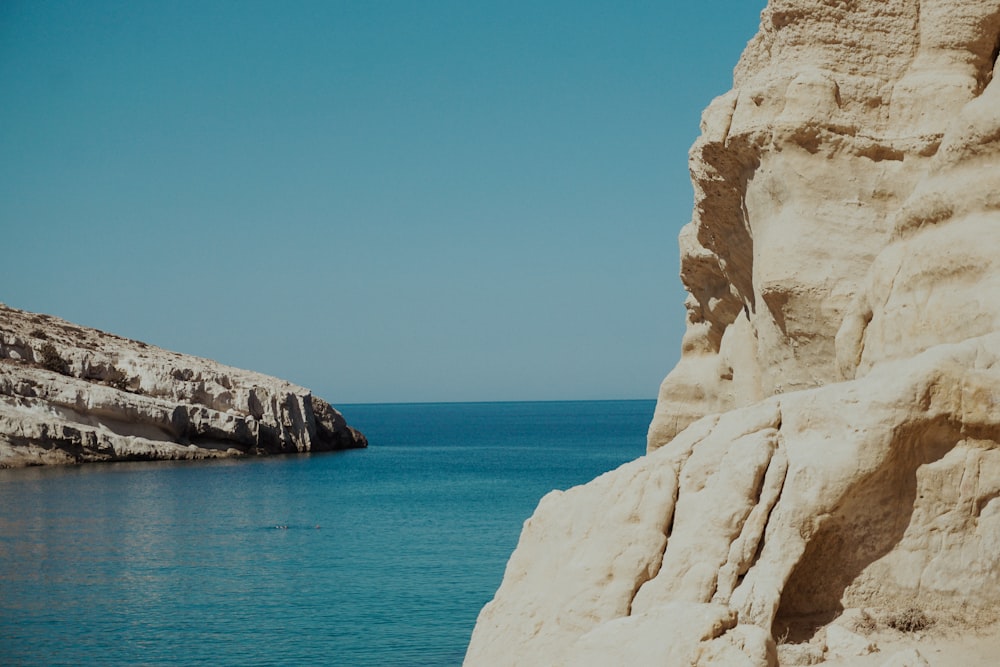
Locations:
(828, 446)
(853, 128)
(70, 394)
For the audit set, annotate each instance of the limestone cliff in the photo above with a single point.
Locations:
(825, 457)
(70, 394)
(850, 126)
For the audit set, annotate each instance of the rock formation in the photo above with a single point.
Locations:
(70, 394)
(824, 459)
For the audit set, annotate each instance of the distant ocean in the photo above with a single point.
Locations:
(373, 557)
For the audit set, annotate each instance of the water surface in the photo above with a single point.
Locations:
(372, 557)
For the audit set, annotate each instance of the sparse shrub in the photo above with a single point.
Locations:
(38, 333)
(117, 379)
(52, 360)
(908, 620)
(866, 623)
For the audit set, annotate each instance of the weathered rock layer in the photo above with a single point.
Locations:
(70, 394)
(828, 447)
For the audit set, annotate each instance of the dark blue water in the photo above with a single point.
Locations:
(376, 557)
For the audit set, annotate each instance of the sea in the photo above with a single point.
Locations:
(382, 556)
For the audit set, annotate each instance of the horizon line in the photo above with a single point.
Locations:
(483, 402)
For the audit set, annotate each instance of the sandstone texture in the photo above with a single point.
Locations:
(70, 394)
(823, 467)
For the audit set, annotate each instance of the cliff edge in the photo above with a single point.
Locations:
(71, 394)
(823, 469)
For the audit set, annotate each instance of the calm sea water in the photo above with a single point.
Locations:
(376, 557)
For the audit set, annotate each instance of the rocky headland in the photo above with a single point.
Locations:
(71, 394)
(822, 482)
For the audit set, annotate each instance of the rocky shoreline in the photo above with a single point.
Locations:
(72, 394)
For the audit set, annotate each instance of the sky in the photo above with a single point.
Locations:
(381, 200)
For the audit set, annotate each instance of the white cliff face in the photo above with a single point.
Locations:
(831, 143)
(830, 439)
(73, 394)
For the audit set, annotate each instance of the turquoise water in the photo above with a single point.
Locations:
(379, 557)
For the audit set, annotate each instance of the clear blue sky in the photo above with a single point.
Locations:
(381, 200)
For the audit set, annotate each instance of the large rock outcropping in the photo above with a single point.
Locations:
(70, 394)
(825, 458)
